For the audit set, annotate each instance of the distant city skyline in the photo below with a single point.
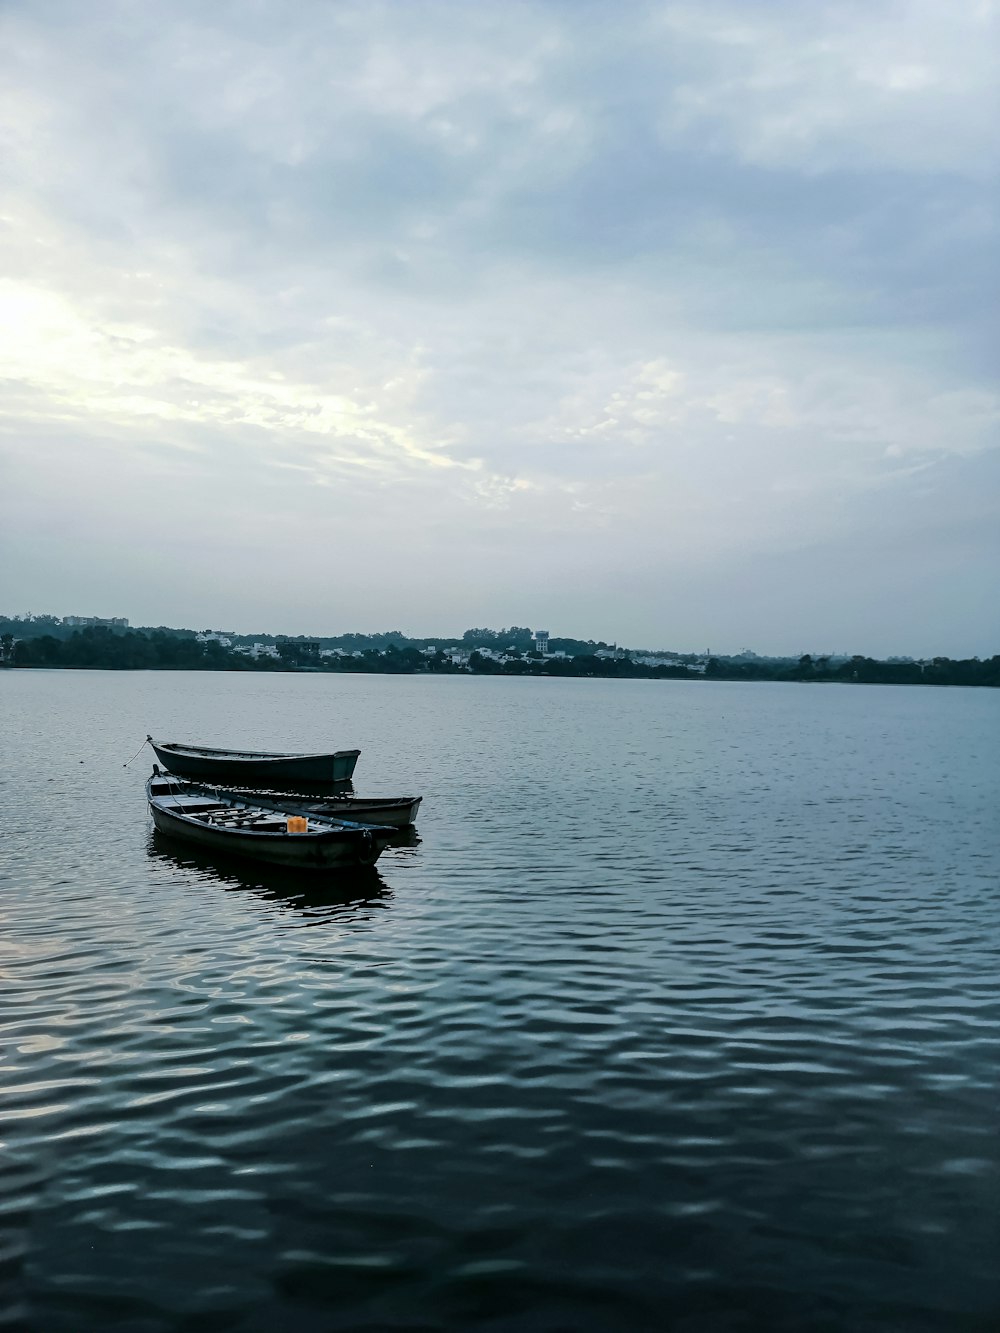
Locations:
(677, 319)
(538, 636)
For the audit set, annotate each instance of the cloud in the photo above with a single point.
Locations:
(839, 86)
(617, 288)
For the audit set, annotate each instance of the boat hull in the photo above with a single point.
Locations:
(399, 813)
(247, 768)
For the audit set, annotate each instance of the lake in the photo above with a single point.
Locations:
(682, 1014)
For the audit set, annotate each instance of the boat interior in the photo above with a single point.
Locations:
(220, 815)
(198, 750)
(252, 821)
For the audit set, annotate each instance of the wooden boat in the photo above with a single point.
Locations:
(386, 811)
(254, 767)
(234, 825)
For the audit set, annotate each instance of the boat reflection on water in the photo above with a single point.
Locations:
(333, 892)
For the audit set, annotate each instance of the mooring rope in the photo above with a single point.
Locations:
(137, 753)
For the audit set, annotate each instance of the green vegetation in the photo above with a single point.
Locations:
(127, 650)
(866, 671)
(43, 641)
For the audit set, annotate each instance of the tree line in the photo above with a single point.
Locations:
(96, 646)
(518, 638)
(866, 671)
(102, 648)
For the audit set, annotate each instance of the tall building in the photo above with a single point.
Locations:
(541, 638)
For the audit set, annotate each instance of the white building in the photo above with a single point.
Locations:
(256, 650)
(114, 622)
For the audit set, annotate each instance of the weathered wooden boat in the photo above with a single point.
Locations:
(235, 825)
(251, 768)
(386, 811)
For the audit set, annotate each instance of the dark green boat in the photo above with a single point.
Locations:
(231, 825)
(253, 768)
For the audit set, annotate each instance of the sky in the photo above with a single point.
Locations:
(671, 324)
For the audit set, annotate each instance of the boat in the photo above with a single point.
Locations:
(254, 767)
(387, 811)
(236, 825)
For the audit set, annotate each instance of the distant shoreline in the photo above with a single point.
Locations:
(690, 676)
(45, 642)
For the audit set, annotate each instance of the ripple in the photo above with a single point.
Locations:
(684, 1007)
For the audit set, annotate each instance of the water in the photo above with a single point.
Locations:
(684, 1013)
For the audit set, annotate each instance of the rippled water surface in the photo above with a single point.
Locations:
(683, 1013)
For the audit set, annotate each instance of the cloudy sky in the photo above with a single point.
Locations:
(668, 323)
